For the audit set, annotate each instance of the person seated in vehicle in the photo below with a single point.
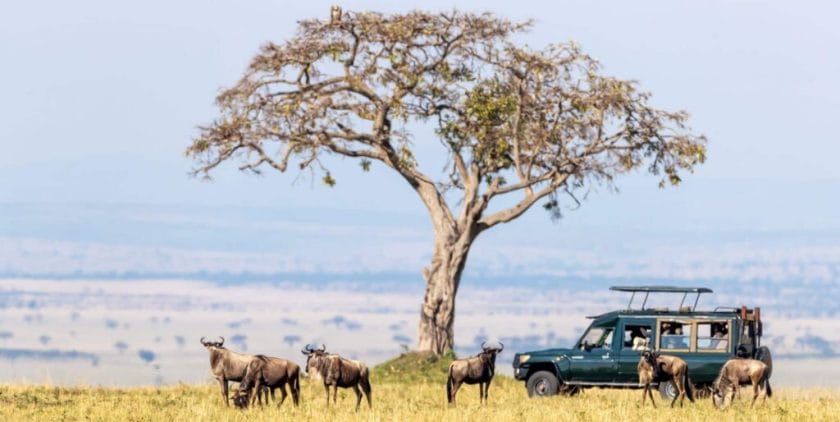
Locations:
(719, 333)
(669, 342)
(681, 339)
(640, 339)
(672, 336)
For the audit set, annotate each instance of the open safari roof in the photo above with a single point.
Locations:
(647, 290)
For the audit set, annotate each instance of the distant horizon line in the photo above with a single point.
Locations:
(247, 277)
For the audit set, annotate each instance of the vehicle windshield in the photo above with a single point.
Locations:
(597, 337)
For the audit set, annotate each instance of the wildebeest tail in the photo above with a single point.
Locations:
(364, 376)
(765, 378)
(689, 389)
(296, 382)
(449, 386)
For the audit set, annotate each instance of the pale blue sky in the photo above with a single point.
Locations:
(100, 98)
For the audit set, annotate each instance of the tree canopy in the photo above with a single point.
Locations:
(511, 119)
(514, 122)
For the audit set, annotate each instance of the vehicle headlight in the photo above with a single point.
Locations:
(524, 358)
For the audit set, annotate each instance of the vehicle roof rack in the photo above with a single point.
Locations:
(647, 290)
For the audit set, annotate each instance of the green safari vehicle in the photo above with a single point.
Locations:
(608, 351)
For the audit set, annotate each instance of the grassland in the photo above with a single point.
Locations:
(399, 394)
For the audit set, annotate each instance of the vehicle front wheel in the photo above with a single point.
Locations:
(542, 384)
(667, 390)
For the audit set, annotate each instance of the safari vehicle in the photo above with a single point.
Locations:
(608, 351)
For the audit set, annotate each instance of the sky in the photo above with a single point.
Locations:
(101, 98)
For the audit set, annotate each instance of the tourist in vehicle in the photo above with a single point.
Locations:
(640, 338)
(719, 333)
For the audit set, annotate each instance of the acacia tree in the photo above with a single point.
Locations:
(517, 126)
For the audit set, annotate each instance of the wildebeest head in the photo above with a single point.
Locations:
(718, 400)
(650, 357)
(314, 354)
(240, 398)
(213, 344)
(492, 346)
(718, 393)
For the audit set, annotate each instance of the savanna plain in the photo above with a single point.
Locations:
(407, 388)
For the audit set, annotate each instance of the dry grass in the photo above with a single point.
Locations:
(393, 401)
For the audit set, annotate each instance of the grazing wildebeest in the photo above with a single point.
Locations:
(656, 367)
(736, 372)
(337, 371)
(478, 369)
(226, 365)
(271, 373)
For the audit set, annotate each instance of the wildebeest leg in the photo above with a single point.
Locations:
(680, 391)
(335, 393)
(455, 386)
(487, 390)
(368, 392)
(270, 390)
(295, 387)
(358, 396)
(735, 390)
(481, 392)
(755, 392)
(282, 394)
(327, 389)
(257, 396)
(649, 392)
(224, 385)
(764, 387)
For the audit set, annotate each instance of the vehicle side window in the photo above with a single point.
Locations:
(637, 337)
(674, 335)
(597, 337)
(713, 335)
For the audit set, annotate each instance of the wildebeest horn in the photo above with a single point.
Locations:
(494, 345)
(223, 340)
(202, 341)
(323, 348)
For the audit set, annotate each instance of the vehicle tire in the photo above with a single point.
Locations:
(667, 390)
(542, 384)
(763, 354)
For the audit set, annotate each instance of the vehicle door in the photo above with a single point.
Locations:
(594, 360)
(675, 337)
(637, 334)
(711, 348)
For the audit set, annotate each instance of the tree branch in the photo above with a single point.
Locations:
(514, 212)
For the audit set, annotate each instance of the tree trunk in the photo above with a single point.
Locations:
(437, 314)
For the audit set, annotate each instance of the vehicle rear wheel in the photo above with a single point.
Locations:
(667, 390)
(542, 384)
(763, 354)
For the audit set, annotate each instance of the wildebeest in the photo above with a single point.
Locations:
(271, 373)
(337, 371)
(656, 367)
(478, 369)
(741, 371)
(226, 365)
